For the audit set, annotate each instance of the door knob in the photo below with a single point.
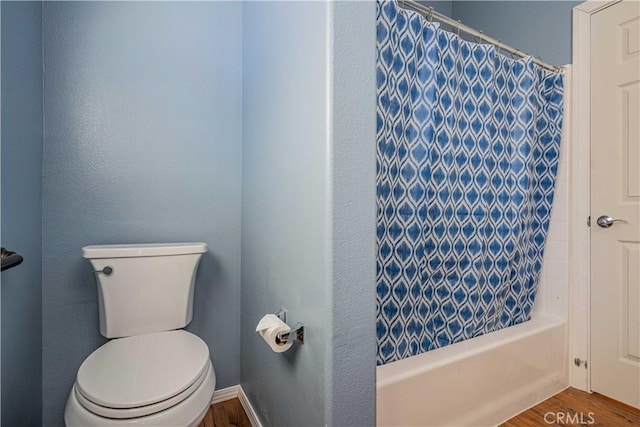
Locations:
(605, 221)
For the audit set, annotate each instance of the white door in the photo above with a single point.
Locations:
(615, 192)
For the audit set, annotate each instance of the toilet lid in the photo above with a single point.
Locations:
(142, 370)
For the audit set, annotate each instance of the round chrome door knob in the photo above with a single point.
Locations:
(605, 221)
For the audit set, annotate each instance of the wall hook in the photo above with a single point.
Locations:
(9, 259)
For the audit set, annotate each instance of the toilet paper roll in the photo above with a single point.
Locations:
(269, 327)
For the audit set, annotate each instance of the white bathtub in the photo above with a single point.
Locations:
(479, 382)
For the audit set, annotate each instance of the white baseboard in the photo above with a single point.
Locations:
(248, 408)
(233, 392)
(225, 394)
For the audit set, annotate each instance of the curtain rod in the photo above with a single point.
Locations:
(431, 13)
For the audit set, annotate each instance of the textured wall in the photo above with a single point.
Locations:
(442, 6)
(285, 231)
(351, 391)
(518, 23)
(142, 144)
(21, 212)
(309, 209)
(540, 28)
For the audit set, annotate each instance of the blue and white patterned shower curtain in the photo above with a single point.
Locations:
(468, 146)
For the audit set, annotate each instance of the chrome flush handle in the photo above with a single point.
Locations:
(605, 221)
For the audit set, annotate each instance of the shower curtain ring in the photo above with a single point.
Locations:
(430, 14)
(459, 25)
(478, 39)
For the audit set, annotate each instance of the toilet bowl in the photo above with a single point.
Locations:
(159, 379)
(152, 373)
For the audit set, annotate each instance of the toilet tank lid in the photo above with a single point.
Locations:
(143, 250)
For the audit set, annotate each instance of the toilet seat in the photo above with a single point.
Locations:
(142, 375)
(188, 413)
(140, 411)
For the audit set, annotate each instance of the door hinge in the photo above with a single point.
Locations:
(589, 221)
(579, 362)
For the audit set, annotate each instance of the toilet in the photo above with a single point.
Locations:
(151, 372)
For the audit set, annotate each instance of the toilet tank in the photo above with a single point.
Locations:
(149, 288)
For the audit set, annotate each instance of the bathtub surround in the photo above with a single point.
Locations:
(142, 144)
(468, 146)
(552, 296)
(21, 213)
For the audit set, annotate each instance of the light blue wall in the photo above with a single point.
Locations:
(540, 28)
(351, 392)
(285, 228)
(21, 212)
(442, 6)
(308, 219)
(142, 144)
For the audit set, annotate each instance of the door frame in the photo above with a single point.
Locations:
(580, 280)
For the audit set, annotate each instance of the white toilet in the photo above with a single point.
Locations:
(152, 373)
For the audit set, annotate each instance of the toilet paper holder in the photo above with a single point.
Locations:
(296, 333)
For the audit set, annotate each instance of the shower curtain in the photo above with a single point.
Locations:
(468, 146)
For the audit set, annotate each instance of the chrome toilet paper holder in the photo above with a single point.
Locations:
(296, 333)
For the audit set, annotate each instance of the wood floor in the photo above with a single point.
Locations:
(574, 407)
(226, 414)
(569, 408)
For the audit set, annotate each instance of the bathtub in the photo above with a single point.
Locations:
(479, 382)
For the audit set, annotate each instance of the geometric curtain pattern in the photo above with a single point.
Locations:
(467, 154)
